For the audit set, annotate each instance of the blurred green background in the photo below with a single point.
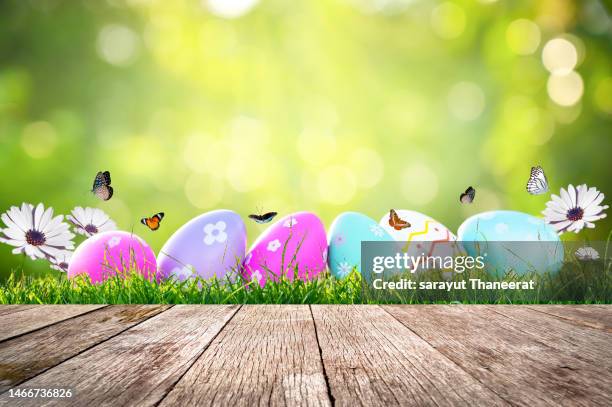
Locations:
(326, 106)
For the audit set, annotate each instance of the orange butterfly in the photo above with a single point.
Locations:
(153, 222)
(396, 223)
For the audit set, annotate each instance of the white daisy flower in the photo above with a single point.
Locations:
(576, 208)
(61, 262)
(587, 253)
(35, 232)
(90, 221)
(343, 270)
(215, 232)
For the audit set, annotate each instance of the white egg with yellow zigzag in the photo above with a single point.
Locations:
(424, 237)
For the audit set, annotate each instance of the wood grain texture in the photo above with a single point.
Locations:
(266, 356)
(18, 323)
(25, 356)
(592, 316)
(520, 366)
(9, 309)
(137, 367)
(371, 359)
(586, 344)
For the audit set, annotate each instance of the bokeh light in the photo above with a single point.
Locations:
(230, 8)
(117, 44)
(565, 90)
(523, 36)
(559, 56)
(448, 20)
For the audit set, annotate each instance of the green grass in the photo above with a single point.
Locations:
(584, 283)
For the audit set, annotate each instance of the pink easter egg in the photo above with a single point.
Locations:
(297, 241)
(106, 254)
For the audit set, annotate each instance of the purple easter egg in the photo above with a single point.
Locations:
(210, 245)
(109, 253)
(297, 241)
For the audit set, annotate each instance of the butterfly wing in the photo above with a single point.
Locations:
(103, 192)
(538, 183)
(468, 196)
(101, 186)
(395, 222)
(265, 218)
(153, 222)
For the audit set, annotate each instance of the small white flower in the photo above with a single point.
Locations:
(274, 245)
(325, 255)
(343, 269)
(61, 262)
(215, 232)
(377, 230)
(90, 221)
(183, 273)
(35, 232)
(291, 222)
(576, 208)
(256, 276)
(586, 253)
(113, 241)
(248, 258)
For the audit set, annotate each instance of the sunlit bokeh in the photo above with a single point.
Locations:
(325, 106)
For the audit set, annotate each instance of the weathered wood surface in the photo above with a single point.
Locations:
(138, 367)
(522, 367)
(266, 355)
(17, 323)
(372, 359)
(26, 356)
(151, 355)
(593, 316)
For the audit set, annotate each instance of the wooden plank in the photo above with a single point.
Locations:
(137, 367)
(266, 355)
(10, 309)
(371, 359)
(520, 367)
(28, 320)
(596, 317)
(25, 356)
(590, 345)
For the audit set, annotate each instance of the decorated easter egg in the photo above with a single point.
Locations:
(512, 241)
(210, 245)
(345, 235)
(296, 244)
(424, 237)
(113, 253)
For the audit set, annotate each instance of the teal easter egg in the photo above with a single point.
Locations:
(344, 238)
(512, 241)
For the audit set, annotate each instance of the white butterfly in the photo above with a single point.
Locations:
(537, 184)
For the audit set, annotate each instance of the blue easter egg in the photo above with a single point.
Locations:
(344, 238)
(512, 241)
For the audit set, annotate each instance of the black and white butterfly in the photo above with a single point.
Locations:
(101, 186)
(537, 184)
(468, 196)
(265, 218)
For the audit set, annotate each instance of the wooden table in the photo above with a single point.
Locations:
(152, 355)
